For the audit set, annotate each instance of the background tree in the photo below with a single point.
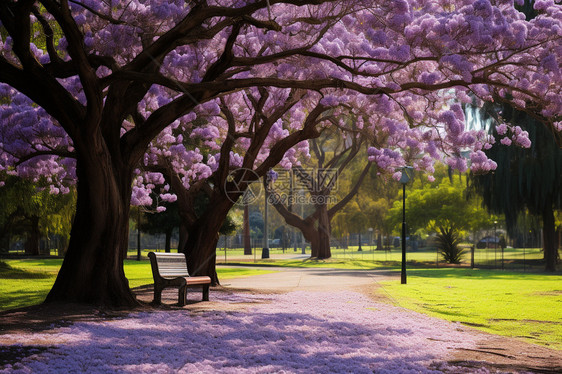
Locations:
(251, 133)
(376, 195)
(32, 213)
(526, 179)
(443, 208)
(164, 222)
(332, 154)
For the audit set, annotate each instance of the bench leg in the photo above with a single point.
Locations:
(157, 296)
(182, 295)
(205, 292)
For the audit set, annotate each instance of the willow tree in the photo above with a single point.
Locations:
(526, 179)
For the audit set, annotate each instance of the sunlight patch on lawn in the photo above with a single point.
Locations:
(525, 306)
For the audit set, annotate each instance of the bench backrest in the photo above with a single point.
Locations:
(168, 265)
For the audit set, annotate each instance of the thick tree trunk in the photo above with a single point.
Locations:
(320, 242)
(201, 245)
(549, 239)
(6, 233)
(246, 224)
(184, 233)
(168, 240)
(316, 228)
(92, 271)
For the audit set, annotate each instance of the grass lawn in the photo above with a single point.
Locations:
(27, 282)
(521, 305)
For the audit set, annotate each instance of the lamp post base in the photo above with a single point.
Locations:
(265, 253)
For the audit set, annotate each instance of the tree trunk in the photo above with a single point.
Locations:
(32, 243)
(184, 233)
(320, 243)
(168, 240)
(246, 227)
(92, 271)
(549, 239)
(6, 233)
(201, 245)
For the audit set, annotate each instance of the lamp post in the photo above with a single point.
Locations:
(370, 229)
(359, 249)
(268, 180)
(407, 173)
(301, 193)
(495, 244)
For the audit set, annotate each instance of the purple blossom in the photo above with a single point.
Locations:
(501, 129)
(168, 197)
(400, 53)
(522, 139)
(452, 124)
(386, 159)
(481, 163)
(458, 163)
(429, 78)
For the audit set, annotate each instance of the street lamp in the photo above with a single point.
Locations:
(359, 249)
(303, 244)
(269, 178)
(496, 244)
(407, 174)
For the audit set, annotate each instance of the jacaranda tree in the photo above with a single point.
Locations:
(88, 85)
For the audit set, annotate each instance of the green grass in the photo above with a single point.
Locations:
(514, 259)
(27, 282)
(520, 305)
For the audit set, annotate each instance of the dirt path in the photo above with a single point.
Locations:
(491, 352)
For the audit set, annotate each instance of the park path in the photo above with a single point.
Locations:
(309, 279)
(289, 321)
(482, 350)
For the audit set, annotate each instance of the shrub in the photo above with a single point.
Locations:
(448, 241)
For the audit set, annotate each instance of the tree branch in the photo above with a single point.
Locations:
(333, 210)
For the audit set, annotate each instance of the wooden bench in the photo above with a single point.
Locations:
(170, 270)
